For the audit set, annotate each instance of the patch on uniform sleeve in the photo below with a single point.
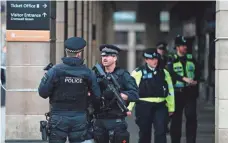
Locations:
(45, 78)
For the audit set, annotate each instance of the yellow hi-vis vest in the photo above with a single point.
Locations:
(179, 69)
(137, 74)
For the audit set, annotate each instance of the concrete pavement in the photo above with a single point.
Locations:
(206, 126)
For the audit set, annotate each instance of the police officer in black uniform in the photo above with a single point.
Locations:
(67, 85)
(111, 124)
(161, 49)
(185, 71)
(163, 59)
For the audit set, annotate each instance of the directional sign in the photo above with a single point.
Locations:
(28, 15)
(28, 21)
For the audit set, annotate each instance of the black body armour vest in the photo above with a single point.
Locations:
(153, 83)
(70, 91)
(113, 109)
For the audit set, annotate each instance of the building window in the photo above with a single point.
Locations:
(121, 37)
(124, 17)
(189, 29)
(140, 37)
(164, 21)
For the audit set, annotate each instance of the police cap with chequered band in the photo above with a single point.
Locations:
(150, 53)
(107, 49)
(74, 44)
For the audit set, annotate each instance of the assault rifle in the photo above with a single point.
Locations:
(112, 85)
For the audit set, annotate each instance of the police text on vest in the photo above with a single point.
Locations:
(73, 80)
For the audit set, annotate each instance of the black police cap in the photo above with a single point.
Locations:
(161, 45)
(150, 53)
(74, 44)
(107, 49)
(180, 40)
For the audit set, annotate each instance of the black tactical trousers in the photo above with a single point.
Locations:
(148, 114)
(90, 127)
(186, 102)
(113, 130)
(63, 126)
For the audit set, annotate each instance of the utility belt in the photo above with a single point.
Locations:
(65, 107)
(106, 115)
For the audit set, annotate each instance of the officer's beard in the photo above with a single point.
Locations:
(109, 66)
(182, 53)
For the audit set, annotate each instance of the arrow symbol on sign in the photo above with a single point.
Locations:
(45, 5)
(44, 14)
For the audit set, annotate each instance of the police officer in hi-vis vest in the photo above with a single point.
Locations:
(185, 72)
(156, 98)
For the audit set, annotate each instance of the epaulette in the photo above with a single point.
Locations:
(140, 68)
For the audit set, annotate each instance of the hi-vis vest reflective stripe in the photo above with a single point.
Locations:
(179, 69)
(147, 99)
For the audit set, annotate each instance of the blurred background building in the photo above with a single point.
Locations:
(132, 25)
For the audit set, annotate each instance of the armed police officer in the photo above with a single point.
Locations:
(110, 124)
(185, 71)
(156, 98)
(67, 85)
